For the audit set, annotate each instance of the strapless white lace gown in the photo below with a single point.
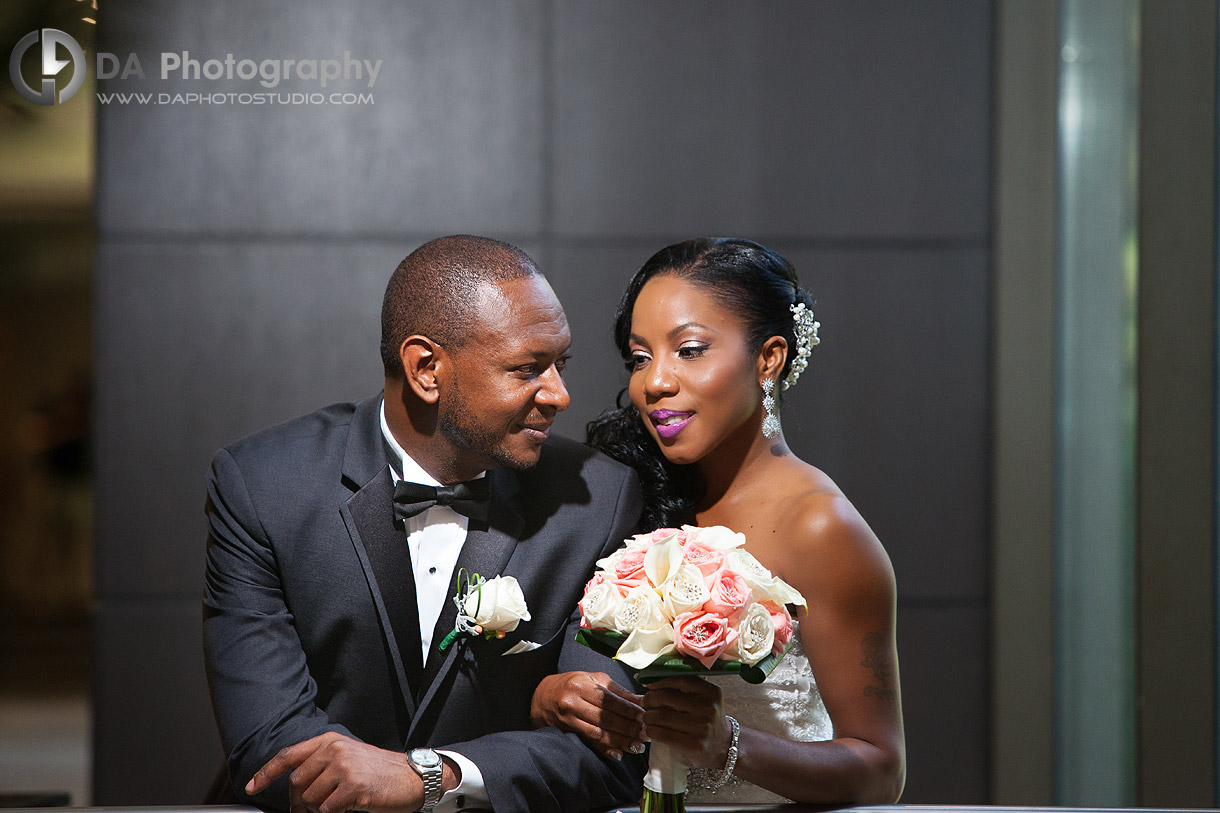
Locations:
(787, 704)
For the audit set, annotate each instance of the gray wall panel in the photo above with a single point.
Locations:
(894, 405)
(793, 118)
(945, 710)
(198, 346)
(453, 141)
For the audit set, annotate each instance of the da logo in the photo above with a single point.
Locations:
(51, 66)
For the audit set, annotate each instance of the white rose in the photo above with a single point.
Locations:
(643, 647)
(755, 636)
(640, 609)
(608, 563)
(600, 603)
(763, 585)
(496, 604)
(716, 536)
(685, 592)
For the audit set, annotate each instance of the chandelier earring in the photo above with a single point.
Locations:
(770, 424)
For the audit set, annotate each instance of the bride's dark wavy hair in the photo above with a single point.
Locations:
(750, 281)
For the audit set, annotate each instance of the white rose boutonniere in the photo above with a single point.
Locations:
(488, 607)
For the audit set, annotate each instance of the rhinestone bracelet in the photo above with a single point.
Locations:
(719, 778)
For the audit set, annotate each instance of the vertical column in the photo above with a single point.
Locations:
(1095, 598)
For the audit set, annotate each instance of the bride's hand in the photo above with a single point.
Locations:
(688, 714)
(595, 707)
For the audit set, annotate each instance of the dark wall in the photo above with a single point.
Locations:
(243, 250)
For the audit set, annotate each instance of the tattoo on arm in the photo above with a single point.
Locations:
(877, 658)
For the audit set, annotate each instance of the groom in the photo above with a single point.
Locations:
(336, 542)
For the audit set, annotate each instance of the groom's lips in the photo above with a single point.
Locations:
(537, 432)
(666, 426)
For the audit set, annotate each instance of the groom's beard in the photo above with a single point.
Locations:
(463, 430)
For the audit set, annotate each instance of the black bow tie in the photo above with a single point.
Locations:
(469, 499)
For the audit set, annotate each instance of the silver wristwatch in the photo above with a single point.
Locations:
(427, 763)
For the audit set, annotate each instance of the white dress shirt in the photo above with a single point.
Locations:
(435, 538)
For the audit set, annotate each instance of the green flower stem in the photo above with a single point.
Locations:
(449, 639)
(657, 802)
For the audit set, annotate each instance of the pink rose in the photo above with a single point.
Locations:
(783, 627)
(629, 569)
(703, 636)
(729, 594)
(661, 533)
(703, 556)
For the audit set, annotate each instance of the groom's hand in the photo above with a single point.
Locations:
(332, 773)
(592, 705)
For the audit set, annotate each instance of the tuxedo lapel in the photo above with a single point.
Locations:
(486, 552)
(381, 547)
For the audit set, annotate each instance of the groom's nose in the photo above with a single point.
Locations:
(553, 393)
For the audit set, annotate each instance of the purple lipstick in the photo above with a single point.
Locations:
(668, 422)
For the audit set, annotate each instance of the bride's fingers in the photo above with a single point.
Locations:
(663, 722)
(693, 745)
(686, 698)
(612, 734)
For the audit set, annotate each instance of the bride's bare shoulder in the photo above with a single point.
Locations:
(821, 528)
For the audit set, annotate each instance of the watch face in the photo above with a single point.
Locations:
(425, 758)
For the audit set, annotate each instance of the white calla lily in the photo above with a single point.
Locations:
(764, 585)
(663, 560)
(644, 647)
(717, 536)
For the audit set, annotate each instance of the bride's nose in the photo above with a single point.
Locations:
(659, 379)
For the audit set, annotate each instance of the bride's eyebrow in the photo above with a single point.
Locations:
(687, 326)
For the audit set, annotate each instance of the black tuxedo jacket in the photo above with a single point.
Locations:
(298, 639)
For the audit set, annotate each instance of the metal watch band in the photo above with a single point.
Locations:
(432, 777)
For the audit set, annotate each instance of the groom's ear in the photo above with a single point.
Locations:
(420, 359)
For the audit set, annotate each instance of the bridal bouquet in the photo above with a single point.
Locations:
(686, 601)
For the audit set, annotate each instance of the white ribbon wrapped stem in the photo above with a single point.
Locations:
(666, 769)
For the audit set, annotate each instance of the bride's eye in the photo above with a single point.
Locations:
(637, 361)
(691, 351)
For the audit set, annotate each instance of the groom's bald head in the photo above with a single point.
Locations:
(434, 292)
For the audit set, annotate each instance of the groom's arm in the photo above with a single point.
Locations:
(262, 694)
(550, 770)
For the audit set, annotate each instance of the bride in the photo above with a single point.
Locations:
(713, 331)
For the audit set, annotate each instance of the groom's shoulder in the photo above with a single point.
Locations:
(302, 439)
(563, 458)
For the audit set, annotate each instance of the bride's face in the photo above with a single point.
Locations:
(693, 377)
